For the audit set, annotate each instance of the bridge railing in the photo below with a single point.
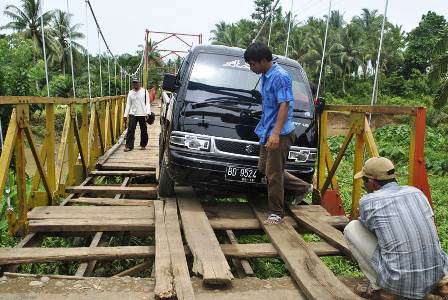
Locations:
(91, 127)
(359, 129)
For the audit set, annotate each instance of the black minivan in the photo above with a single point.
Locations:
(209, 112)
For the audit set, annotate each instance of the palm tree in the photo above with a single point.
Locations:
(439, 71)
(231, 36)
(350, 59)
(218, 32)
(60, 31)
(27, 21)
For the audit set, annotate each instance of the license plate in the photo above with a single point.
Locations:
(241, 174)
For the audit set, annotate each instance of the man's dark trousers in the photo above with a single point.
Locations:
(130, 135)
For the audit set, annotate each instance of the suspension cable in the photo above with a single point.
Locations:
(99, 58)
(323, 52)
(270, 28)
(87, 50)
(289, 29)
(71, 51)
(375, 82)
(121, 81)
(115, 77)
(108, 71)
(264, 23)
(43, 45)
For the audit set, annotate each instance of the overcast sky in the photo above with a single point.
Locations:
(124, 22)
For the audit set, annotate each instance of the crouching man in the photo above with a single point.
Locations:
(395, 240)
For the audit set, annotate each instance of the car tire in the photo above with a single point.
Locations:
(166, 184)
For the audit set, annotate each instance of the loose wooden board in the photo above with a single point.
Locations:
(315, 280)
(208, 259)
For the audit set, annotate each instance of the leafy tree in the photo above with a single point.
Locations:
(439, 70)
(61, 30)
(27, 20)
(421, 39)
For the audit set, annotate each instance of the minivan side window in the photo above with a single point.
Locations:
(183, 68)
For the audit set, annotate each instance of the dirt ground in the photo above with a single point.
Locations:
(123, 288)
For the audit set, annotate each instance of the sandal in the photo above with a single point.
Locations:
(273, 219)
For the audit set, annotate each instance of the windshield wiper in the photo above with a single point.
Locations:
(221, 100)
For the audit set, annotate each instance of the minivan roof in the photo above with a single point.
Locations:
(218, 49)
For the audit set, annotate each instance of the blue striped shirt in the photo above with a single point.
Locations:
(409, 259)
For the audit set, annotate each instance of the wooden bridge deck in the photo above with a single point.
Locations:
(187, 234)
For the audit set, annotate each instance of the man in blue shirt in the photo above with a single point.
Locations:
(275, 129)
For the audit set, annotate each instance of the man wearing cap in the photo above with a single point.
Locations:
(137, 108)
(395, 240)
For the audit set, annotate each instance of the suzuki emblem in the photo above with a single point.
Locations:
(250, 148)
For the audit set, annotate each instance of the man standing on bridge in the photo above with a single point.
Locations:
(275, 129)
(138, 109)
(395, 240)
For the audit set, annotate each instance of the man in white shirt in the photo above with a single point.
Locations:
(138, 109)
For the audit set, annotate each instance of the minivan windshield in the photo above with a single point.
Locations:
(217, 77)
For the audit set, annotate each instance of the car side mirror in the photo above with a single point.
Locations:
(319, 105)
(169, 82)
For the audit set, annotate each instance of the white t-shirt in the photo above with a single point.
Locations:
(136, 103)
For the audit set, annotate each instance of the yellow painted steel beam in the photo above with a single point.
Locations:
(99, 129)
(7, 151)
(62, 148)
(370, 141)
(84, 132)
(92, 152)
(377, 109)
(21, 203)
(323, 145)
(50, 140)
(39, 163)
(79, 145)
(357, 166)
(36, 178)
(72, 153)
(52, 100)
(337, 161)
(107, 129)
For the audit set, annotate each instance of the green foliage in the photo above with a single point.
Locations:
(422, 39)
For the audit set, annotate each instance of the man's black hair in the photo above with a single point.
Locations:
(384, 182)
(256, 52)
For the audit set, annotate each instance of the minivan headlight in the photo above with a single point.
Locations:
(192, 142)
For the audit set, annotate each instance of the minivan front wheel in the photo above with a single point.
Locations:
(166, 184)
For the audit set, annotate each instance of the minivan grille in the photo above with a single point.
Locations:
(240, 148)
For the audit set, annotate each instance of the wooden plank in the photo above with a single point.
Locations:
(305, 216)
(122, 173)
(134, 270)
(30, 240)
(209, 261)
(149, 191)
(163, 268)
(86, 268)
(315, 280)
(124, 166)
(234, 224)
(268, 250)
(39, 255)
(91, 212)
(111, 202)
(55, 225)
(240, 264)
(182, 280)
